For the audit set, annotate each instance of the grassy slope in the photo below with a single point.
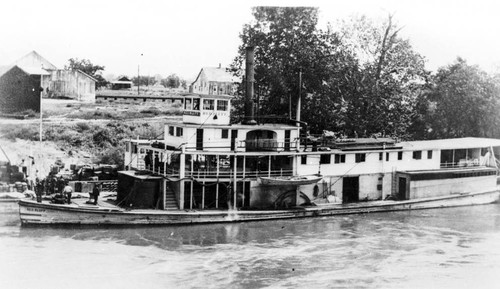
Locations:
(82, 133)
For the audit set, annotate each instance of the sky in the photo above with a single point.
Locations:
(182, 36)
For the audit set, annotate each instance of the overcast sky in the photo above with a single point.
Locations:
(182, 36)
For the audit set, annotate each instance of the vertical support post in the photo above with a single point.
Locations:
(191, 195)
(297, 195)
(217, 196)
(182, 175)
(192, 166)
(234, 181)
(164, 194)
(218, 164)
(269, 166)
(243, 177)
(164, 165)
(41, 118)
(203, 195)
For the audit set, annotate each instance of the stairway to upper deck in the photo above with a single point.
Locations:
(170, 200)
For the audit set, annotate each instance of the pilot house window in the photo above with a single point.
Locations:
(208, 104)
(222, 105)
(187, 104)
(196, 104)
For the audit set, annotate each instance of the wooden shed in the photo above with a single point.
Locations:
(20, 88)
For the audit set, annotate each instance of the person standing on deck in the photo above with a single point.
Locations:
(95, 193)
(147, 161)
(67, 191)
(38, 190)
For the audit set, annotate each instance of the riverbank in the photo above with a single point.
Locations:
(80, 133)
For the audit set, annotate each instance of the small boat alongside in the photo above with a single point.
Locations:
(291, 180)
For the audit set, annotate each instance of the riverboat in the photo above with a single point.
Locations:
(207, 169)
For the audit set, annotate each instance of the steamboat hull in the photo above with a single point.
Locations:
(33, 213)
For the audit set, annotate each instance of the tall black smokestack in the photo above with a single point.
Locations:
(249, 117)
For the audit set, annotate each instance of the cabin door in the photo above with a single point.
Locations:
(287, 140)
(350, 189)
(199, 139)
(402, 189)
(234, 135)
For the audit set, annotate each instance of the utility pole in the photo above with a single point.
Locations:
(41, 119)
(138, 76)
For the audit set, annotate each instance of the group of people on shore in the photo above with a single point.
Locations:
(60, 190)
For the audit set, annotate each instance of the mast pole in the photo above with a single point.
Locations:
(297, 117)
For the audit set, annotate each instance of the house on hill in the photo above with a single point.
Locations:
(122, 83)
(215, 81)
(20, 88)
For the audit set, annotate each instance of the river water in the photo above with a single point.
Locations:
(439, 248)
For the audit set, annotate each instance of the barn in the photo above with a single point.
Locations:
(20, 88)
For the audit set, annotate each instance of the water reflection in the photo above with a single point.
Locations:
(417, 249)
(448, 225)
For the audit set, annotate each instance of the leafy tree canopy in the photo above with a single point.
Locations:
(89, 68)
(360, 78)
(464, 101)
(172, 81)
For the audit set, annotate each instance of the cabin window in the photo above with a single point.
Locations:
(188, 104)
(196, 104)
(417, 155)
(324, 159)
(222, 105)
(400, 155)
(134, 148)
(303, 159)
(429, 155)
(339, 159)
(208, 104)
(386, 157)
(171, 130)
(360, 158)
(380, 156)
(179, 131)
(225, 133)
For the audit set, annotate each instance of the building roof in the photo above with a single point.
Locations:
(218, 74)
(34, 70)
(452, 143)
(33, 59)
(86, 75)
(27, 70)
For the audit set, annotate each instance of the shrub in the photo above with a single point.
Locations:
(27, 132)
(82, 126)
(112, 156)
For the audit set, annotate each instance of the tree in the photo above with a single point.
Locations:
(89, 68)
(464, 101)
(360, 79)
(288, 44)
(172, 81)
(393, 78)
